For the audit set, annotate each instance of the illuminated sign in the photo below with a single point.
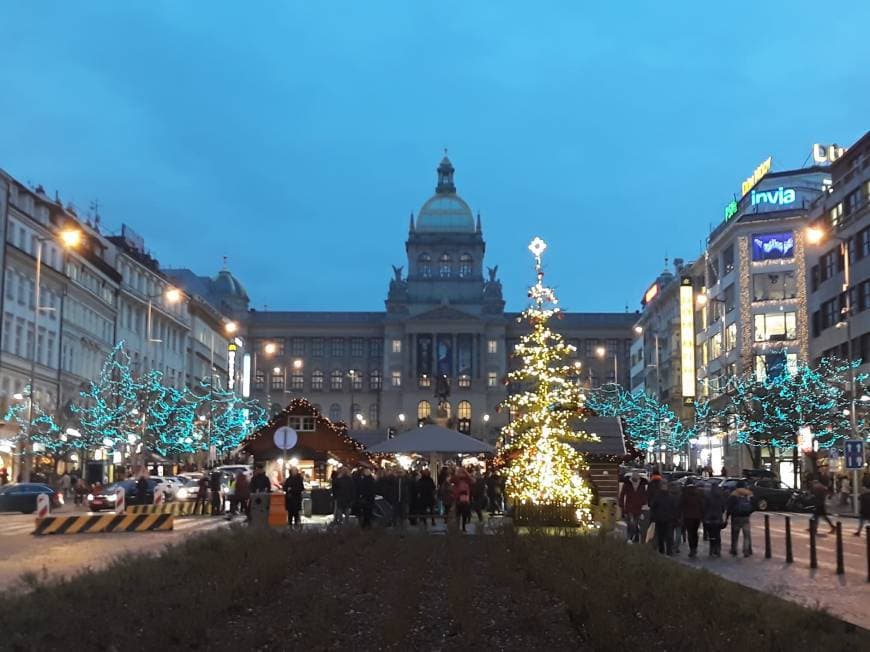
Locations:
(824, 154)
(773, 246)
(651, 293)
(755, 177)
(731, 209)
(687, 338)
(779, 197)
(246, 375)
(231, 364)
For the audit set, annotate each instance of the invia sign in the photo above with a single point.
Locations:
(779, 197)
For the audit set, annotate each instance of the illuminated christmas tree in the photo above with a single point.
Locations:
(43, 429)
(543, 468)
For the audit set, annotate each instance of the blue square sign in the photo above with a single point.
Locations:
(854, 454)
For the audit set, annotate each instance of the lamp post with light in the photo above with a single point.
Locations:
(601, 352)
(816, 235)
(69, 238)
(352, 374)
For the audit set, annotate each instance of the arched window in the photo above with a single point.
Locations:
(373, 415)
(465, 265)
(444, 265)
(424, 410)
(335, 378)
(335, 412)
(463, 410)
(317, 380)
(424, 264)
(375, 379)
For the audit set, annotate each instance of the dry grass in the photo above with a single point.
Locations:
(379, 590)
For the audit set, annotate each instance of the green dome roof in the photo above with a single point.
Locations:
(445, 212)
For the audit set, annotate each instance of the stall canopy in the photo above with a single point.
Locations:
(432, 439)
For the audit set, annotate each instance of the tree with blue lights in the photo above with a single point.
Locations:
(43, 429)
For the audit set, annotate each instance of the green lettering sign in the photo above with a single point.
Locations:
(731, 209)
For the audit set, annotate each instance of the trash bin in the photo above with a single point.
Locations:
(260, 510)
(607, 511)
(306, 506)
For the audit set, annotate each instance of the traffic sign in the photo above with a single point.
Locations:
(854, 454)
(285, 438)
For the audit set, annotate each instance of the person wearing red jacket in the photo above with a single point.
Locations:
(462, 496)
(632, 498)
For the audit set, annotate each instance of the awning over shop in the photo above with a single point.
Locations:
(432, 439)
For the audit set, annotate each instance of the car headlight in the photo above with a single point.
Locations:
(59, 498)
(111, 498)
(182, 493)
(90, 497)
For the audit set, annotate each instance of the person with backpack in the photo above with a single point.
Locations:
(739, 509)
(714, 508)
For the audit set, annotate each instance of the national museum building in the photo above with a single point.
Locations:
(444, 337)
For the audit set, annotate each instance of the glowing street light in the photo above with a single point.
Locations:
(270, 348)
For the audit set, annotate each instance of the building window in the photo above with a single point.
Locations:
(716, 346)
(335, 380)
(301, 423)
(728, 295)
(464, 381)
(444, 265)
(259, 380)
(356, 379)
(775, 362)
(297, 382)
(373, 415)
(730, 337)
(396, 378)
(424, 263)
(298, 346)
(357, 347)
(492, 379)
(317, 347)
(317, 380)
(836, 214)
(463, 413)
(424, 381)
(864, 243)
(376, 348)
(335, 412)
(337, 347)
(776, 286)
(775, 326)
(465, 265)
(728, 259)
(492, 346)
(375, 379)
(424, 410)
(277, 380)
(397, 346)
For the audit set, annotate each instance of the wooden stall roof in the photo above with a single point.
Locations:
(327, 440)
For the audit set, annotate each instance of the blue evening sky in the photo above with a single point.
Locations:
(296, 137)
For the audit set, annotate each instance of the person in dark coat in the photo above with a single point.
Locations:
(201, 496)
(664, 513)
(691, 513)
(632, 498)
(478, 495)
(293, 487)
(714, 509)
(820, 497)
(426, 496)
(243, 493)
(653, 487)
(739, 510)
(863, 507)
(260, 483)
(409, 497)
(366, 497)
(343, 493)
(142, 490)
(217, 498)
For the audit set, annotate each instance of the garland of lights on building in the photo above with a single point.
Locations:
(542, 467)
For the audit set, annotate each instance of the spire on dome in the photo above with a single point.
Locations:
(411, 223)
(479, 230)
(445, 177)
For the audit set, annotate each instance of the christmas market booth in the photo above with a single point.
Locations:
(299, 436)
(604, 456)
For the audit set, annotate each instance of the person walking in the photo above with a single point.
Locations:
(652, 490)
(820, 500)
(664, 512)
(243, 493)
(343, 493)
(426, 496)
(845, 491)
(714, 508)
(863, 507)
(691, 514)
(293, 488)
(739, 510)
(462, 496)
(142, 490)
(217, 498)
(260, 483)
(366, 497)
(478, 495)
(201, 496)
(632, 498)
(445, 494)
(64, 485)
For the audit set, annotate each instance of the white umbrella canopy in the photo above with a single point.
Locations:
(432, 439)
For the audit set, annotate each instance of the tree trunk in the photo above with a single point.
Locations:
(755, 456)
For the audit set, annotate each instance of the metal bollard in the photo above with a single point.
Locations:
(814, 563)
(840, 569)
(766, 536)
(789, 558)
(867, 539)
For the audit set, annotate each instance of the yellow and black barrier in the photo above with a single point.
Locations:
(104, 523)
(179, 509)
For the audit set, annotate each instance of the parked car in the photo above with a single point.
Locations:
(188, 491)
(769, 493)
(169, 486)
(105, 499)
(21, 497)
(233, 469)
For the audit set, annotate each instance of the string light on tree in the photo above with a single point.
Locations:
(542, 466)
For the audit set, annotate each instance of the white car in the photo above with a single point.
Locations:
(235, 468)
(166, 486)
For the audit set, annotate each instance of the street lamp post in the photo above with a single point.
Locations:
(352, 374)
(816, 236)
(601, 352)
(69, 238)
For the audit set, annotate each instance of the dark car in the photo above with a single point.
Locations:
(769, 493)
(105, 499)
(21, 497)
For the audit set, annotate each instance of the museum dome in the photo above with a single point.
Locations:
(445, 211)
(228, 286)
